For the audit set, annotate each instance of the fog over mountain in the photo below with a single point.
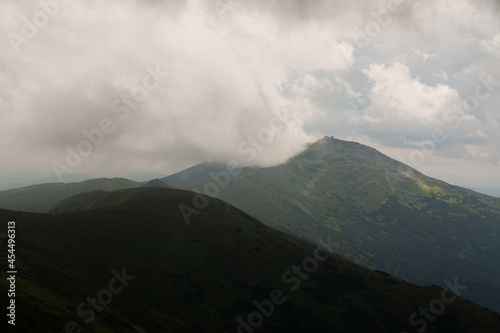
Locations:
(127, 88)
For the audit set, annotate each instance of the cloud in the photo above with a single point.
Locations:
(398, 97)
(233, 67)
(491, 45)
(225, 76)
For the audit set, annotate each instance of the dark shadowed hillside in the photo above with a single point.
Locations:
(152, 272)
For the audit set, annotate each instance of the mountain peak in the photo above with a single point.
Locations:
(155, 183)
(380, 208)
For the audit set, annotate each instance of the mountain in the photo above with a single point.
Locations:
(130, 263)
(195, 173)
(385, 214)
(78, 202)
(155, 183)
(41, 198)
(85, 200)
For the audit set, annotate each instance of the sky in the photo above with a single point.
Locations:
(145, 88)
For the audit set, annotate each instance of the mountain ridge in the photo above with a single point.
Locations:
(205, 276)
(379, 207)
(384, 211)
(41, 198)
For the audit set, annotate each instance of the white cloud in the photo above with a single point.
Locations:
(491, 45)
(398, 97)
(441, 75)
(230, 68)
(223, 86)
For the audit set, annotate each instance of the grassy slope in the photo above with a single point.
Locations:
(41, 198)
(78, 202)
(82, 200)
(200, 277)
(385, 214)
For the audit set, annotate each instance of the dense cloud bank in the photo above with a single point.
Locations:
(113, 88)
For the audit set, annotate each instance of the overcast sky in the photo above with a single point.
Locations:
(139, 88)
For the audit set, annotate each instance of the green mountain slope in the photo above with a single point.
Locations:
(152, 272)
(41, 198)
(78, 202)
(85, 200)
(385, 214)
(155, 183)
